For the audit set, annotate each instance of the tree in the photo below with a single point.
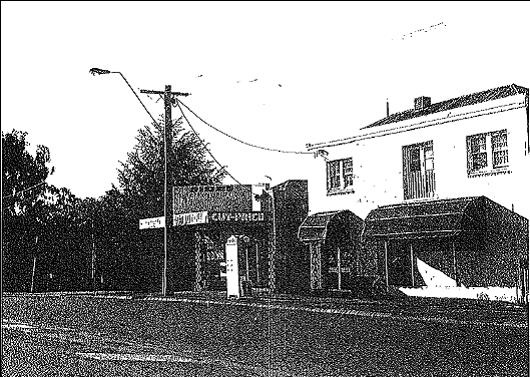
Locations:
(53, 239)
(134, 257)
(23, 175)
(142, 174)
(23, 206)
(43, 227)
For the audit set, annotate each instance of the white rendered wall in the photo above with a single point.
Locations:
(378, 162)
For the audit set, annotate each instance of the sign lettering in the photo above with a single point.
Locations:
(244, 217)
(336, 269)
(152, 223)
(220, 198)
(190, 218)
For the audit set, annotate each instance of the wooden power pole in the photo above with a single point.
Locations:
(168, 132)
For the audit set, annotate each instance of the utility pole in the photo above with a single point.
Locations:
(34, 264)
(168, 132)
(93, 267)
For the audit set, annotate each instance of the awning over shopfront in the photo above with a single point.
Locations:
(334, 240)
(316, 226)
(434, 218)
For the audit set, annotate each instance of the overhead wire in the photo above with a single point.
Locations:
(21, 191)
(240, 140)
(223, 167)
(204, 145)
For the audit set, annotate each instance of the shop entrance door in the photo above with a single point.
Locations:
(400, 266)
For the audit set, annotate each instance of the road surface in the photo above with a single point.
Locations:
(90, 336)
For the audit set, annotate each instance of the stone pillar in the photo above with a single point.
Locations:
(315, 260)
(199, 263)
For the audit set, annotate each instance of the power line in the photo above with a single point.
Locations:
(239, 140)
(26, 189)
(187, 121)
(203, 144)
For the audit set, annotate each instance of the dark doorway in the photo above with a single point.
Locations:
(334, 239)
(400, 264)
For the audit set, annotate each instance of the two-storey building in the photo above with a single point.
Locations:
(448, 152)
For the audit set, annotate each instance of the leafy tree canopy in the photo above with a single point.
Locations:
(141, 176)
(23, 175)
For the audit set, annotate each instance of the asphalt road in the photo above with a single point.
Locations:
(90, 336)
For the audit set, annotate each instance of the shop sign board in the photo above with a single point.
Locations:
(152, 223)
(204, 217)
(190, 218)
(241, 217)
(219, 198)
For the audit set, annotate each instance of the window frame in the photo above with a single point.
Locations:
(343, 170)
(502, 148)
(333, 172)
(487, 151)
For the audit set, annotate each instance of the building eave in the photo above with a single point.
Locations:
(423, 122)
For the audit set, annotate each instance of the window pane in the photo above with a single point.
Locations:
(333, 174)
(429, 164)
(477, 154)
(480, 160)
(429, 158)
(499, 140)
(347, 172)
(500, 159)
(499, 146)
(415, 164)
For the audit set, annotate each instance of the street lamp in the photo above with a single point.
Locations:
(167, 125)
(99, 71)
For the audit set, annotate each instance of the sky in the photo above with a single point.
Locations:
(275, 74)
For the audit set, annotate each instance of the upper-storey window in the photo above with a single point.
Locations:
(340, 176)
(499, 147)
(418, 171)
(487, 153)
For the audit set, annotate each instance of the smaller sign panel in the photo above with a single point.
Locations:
(190, 218)
(154, 222)
(232, 267)
(343, 269)
(242, 217)
(212, 198)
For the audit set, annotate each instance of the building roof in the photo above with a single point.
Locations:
(454, 103)
(436, 218)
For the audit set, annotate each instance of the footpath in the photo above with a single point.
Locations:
(420, 309)
(453, 311)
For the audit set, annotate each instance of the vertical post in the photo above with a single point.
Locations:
(518, 268)
(412, 264)
(257, 262)
(272, 246)
(247, 267)
(93, 269)
(316, 254)
(198, 263)
(339, 277)
(34, 264)
(168, 136)
(311, 267)
(167, 140)
(455, 270)
(386, 264)
(33, 273)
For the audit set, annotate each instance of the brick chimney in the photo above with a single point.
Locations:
(422, 102)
